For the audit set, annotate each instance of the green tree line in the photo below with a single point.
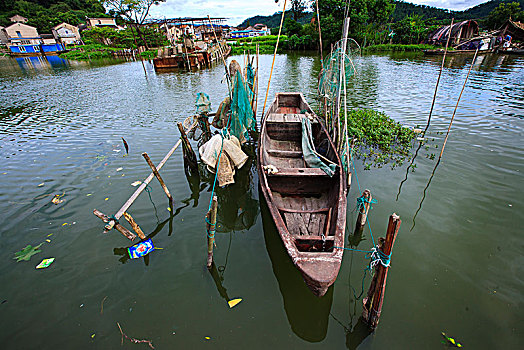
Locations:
(45, 14)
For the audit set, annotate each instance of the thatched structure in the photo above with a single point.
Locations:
(460, 31)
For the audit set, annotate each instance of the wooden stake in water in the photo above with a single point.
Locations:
(190, 159)
(134, 225)
(372, 304)
(211, 229)
(363, 210)
(113, 224)
(157, 175)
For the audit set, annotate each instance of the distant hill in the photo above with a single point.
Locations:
(273, 20)
(402, 9)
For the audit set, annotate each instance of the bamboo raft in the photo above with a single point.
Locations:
(307, 206)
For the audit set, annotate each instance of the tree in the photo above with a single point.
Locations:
(134, 11)
(367, 18)
(298, 7)
(292, 27)
(502, 13)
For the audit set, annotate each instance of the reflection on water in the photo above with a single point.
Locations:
(307, 314)
(61, 125)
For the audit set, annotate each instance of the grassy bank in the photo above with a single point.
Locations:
(399, 48)
(96, 51)
(266, 44)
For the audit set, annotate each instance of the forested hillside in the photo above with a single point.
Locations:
(273, 20)
(45, 14)
(402, 9)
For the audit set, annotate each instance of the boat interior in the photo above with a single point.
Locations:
(307, 198)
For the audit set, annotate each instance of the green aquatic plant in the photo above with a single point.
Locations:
(26, 253)
(379, 139)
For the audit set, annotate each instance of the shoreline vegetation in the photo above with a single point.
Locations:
(99, 51)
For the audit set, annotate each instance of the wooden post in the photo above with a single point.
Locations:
(363, 210)
(372, 304)
(190, 159)
(211, 229)
(157, 174)
(203, 122)
(134, 225)
(128, 234)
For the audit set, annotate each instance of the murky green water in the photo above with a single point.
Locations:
(459, 270)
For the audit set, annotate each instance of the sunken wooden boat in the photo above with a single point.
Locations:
(307, 205)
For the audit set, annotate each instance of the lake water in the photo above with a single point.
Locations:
(459, 270)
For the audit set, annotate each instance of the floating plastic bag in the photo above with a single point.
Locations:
(141, 249)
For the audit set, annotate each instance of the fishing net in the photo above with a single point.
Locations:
(242, 119)
(202, 103)
(329, 81)
(337, 68)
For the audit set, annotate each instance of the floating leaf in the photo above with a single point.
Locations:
(56, 199)
(125, 145)
(451, 341)
(234, 302)
(89, 194)
(65, 223)
(207, 338)
(48, 240)
(27, 253)
(119, 169)
(42, 184)
(45, 263)
(107, 198)
(93, 336)
(49, 235)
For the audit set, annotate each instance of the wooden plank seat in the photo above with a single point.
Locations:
(284, 153)
(313, 238)
(287, 118)
(299, 172)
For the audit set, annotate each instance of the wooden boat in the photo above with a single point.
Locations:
(454, 52)
(307, 206)
(195, 58)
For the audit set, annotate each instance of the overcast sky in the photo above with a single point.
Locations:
(238, 10)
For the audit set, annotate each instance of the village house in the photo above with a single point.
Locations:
(22, 34)
(24, 39)
(3, 36)
(67, 34)
(18, 19)
(101, 22)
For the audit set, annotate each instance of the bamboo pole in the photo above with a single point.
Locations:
(157, 175)
(456, 106)
(223, 58)
(274, 56)
(372, 304)
(128, 234)
(211, 229)
(256, 89)
(319, 35)
(134, 225)
(340, 80)
(144, 184)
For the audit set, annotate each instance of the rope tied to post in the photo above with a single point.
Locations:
(378, 257)
(362, 200)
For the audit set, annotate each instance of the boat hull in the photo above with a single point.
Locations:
(315, 245)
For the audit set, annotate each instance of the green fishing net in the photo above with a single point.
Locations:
(242, 119)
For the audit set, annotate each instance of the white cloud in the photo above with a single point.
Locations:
(235, 10)
(457, 5)
(238, 10)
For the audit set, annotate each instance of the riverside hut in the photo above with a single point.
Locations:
(460, 32)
